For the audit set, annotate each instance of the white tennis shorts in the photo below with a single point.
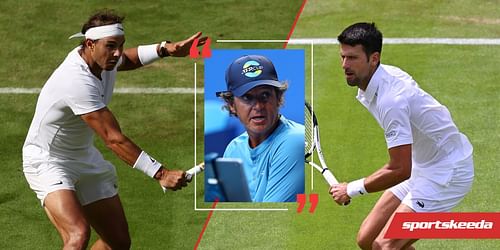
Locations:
(425, 195)
(90, 182)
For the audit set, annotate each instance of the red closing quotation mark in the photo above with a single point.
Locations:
(313, 199)
(301, 199)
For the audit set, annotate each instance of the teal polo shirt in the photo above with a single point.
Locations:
(275, 168)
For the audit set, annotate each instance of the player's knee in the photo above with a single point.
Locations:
(78, 238)
(364, 241)
(383, 244)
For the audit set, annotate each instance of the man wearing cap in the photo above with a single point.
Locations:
(272, 148)
(75, 185)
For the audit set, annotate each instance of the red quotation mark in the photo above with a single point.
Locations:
(205, 52)
(193, 51)
(301, 199)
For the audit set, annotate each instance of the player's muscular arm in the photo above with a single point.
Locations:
(130, 60)
(395, 171)
(104, 123)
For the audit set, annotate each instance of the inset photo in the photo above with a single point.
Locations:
(254, 125)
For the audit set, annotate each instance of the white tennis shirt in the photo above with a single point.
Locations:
(409, 115)
(57, 131)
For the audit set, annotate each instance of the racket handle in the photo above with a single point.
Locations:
(332, 181)
(193, 171)
(190, 173)
(330, 178)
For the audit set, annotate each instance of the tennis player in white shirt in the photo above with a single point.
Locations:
(75, 185)
(430, 168)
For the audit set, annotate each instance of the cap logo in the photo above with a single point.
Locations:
(252, 69)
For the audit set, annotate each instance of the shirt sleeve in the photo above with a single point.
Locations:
(395, 120)
(286, 174)
(84, 97)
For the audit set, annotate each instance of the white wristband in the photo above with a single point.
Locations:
(147, 164)
(147, 53)
(356, 188)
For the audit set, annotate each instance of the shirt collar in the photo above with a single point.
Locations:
(269, 140)
(78, 59)
(366, 97)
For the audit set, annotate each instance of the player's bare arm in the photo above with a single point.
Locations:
(131, 56)
(395, 171)
(104, 123)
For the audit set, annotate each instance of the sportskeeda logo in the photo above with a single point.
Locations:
(444, 226)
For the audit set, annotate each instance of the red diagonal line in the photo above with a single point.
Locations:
(295, 23)
(206, 223)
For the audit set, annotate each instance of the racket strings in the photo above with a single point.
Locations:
(309, 133)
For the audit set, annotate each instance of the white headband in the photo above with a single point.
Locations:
(99, 32)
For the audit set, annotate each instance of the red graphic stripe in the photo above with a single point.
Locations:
(206, 224)
(295, 23)
(444, 226)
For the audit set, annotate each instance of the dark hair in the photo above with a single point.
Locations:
(228, 98)
(101, 18)
(365, 34)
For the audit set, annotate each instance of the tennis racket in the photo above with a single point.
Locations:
(190, 173)
(312, 142)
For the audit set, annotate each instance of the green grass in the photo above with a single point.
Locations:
(355, 146)
(34, 41)
(37, 42)
(463, 78)
(150, 212)
(421, 18)
(249, 229)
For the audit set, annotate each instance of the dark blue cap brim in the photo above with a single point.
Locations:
(247, 87)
